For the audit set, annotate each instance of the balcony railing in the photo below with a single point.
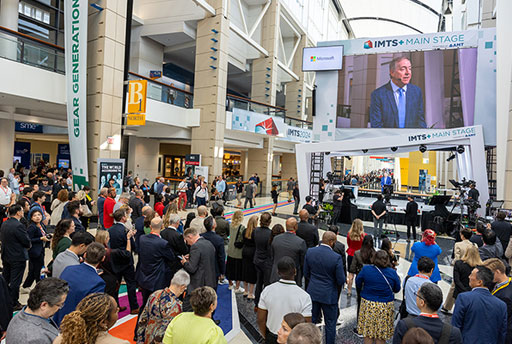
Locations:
(163, 92)
(23, 48)
(236, 102)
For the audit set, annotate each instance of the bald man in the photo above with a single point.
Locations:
(155, 258)
(324, 269)
(306, 230)
(290, 245)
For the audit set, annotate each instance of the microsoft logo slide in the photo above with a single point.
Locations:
(313, 58)
(368, 44)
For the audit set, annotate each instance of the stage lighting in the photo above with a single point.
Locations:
(348, 158)
(451, 157)
(460, 149)
(423, 148)
(327, 153)
(394, 149)
(365, 150)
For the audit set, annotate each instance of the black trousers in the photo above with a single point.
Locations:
(13, 275)
(248, 200)
(411, 224)
(131, 285)
(270, 338)
(34, 270)
(262, 280)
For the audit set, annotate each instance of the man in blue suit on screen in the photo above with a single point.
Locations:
(398, 104)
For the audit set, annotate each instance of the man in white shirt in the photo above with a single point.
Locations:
(7, 198)
(198, 222)
(182, 194)
(281, 298)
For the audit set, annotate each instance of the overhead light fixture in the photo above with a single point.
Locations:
(451, 157)
(460, 149)
(348, 158)
(423, 148)
(393, 149)
(365, 150)
(327, 153)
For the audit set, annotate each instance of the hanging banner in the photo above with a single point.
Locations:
(75, 22)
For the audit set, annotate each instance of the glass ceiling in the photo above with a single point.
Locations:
(377, 18)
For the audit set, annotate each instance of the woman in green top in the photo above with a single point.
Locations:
(61, 238)
(234, 262)
(197, 327)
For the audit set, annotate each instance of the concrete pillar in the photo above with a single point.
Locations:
(288, 166)
(9, 19)
(145, 53)
(244, 161)
(7, 137)
(210, 88)
(264, 70)
(105, 65)
(296, 90)
(143, 157)
(260, 162)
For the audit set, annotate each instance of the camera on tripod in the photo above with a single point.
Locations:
(462, 184)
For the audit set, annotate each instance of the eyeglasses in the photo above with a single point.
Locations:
(418, 295)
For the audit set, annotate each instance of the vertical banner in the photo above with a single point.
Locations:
(75, 31)
(110, 174)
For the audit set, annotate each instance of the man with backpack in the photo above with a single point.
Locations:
(429, 299)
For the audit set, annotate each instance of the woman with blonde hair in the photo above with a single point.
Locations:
(354, 241)
(90, 322)
(248, 250)
(172, 209)
(235, 246)
(463, 268)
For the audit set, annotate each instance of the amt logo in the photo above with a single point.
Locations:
(368, 44)
(313, 58)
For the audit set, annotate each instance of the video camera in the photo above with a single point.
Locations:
(463, 184)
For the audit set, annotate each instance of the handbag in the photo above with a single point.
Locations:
(238, 244)
(86, 212)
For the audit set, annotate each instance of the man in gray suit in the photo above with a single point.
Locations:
(71, 256)
(34, 324)
(200, 262)
(290, 245)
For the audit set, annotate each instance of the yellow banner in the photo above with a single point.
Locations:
(135, 119)
(137, 90)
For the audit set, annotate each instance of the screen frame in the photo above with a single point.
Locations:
(342, 47)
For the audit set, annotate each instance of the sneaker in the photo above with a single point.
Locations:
(224, 281)
(245, 293)
(357, 333)
(251, 297)
(239, 290)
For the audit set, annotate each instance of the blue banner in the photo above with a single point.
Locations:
(28, 127)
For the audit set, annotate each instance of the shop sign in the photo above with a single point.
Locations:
(135, 119)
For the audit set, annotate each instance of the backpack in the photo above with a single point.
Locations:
(152, 189)
(445, 332)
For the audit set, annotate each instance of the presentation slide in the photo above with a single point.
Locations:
(322, 58)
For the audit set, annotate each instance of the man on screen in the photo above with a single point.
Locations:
(398, 104)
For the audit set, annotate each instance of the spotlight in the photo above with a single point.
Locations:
(460, 149)
(394, 149)
(327, 153)
(451, 157)
(365, 150)
(423, 148)
(348, 158)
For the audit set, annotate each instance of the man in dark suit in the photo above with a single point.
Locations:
(480, 316)
(155, 258)
(398, 104)
(217, 242)
(306, 230)
(15, 245)
(411, 215)
(262, 260)
(200, 262)
(324, 269)
(118, 240)
(175, 241)
(428, 299)
(136, 203)
(139, 225)
(82, 279)
(502, 228)
(502, 289)
(290, 245)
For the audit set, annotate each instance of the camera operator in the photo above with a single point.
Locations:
(379, 210)
(311, 208)
(337, 204)
(473, 192)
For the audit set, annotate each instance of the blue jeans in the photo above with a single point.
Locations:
(330, 315)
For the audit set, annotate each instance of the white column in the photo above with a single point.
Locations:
(7, 137)
(9, 19)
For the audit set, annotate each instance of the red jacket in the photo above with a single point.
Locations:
(108, 209)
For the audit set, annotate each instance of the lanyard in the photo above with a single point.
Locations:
(501, 287)
(4, 189)
(421, 276)
(429, 315)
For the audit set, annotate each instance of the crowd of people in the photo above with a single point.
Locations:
(294, 275)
